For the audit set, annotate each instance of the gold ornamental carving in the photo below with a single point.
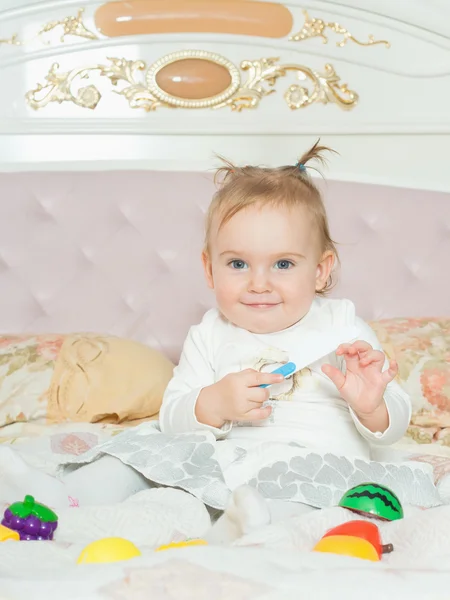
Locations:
(12, 41)
(313, 27)
(324, 87)
(71, 26)
(138, 85)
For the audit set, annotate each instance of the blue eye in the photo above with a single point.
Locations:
(284, 264)
(238, 264)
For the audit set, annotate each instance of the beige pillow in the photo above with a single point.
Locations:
(80, 377)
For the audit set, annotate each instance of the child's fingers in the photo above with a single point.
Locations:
(258, 395)
(343, 349)
(349, 353)
(258, 414)
(351, 361)
(254, 378)
(391, 372)
(361, 346)
(353, 349)
(372, 356)
(336, 376)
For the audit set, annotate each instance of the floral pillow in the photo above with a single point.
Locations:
(80, 377)
(422, 349)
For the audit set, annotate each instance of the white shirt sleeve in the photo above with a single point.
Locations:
(194, 372)
(398, 403)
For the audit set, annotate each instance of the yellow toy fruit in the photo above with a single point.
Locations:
(348, 546)
(108, 550)
(8, 534)
(182, 545)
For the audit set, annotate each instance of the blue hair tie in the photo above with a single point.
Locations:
(300, 166)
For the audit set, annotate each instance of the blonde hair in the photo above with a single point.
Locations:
(289, 185)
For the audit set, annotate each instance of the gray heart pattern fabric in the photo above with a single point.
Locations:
(211, 470)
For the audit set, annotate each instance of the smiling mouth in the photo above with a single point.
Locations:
(262, 305)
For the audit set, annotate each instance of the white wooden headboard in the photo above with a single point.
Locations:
(87, 84)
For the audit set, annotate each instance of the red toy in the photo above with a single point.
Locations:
(364, 530)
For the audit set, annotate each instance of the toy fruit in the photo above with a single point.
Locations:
(8, 534)
(33, 521)
(182, 544)
(363, 530)
(372, 499)
(108, 550)
(347, 545)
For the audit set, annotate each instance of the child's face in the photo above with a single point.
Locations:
(265, 266)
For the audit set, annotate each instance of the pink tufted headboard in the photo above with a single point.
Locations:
(119, 252)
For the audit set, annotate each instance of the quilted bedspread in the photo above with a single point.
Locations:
(273, 563)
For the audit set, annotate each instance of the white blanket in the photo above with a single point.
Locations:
(281, 566)
(274, 563)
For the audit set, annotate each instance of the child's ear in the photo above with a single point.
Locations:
(207, 267)
(324, 269)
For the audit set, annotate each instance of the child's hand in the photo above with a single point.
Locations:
(364, 383)
(236, 397)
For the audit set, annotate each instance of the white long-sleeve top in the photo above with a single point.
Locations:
(307, 408)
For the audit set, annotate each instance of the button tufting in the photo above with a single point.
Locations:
(413, 268)
(120, 252)
(125, 213)
(87, 253)
(3, 264)
(370, 220)
(38, 309)
(42, 209)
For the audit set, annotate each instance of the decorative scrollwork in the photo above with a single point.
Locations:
(58, 86)
(71, 26)
(12, 41)
(313, 27)
(262, 75)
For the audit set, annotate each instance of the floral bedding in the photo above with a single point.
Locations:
(30, 364)
(422, 349)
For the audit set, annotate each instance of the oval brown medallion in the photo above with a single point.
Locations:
(193, 79)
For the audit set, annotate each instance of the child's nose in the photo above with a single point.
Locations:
(259, 282)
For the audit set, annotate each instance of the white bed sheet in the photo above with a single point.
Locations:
(273, 563)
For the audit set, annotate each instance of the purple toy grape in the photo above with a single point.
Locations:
(17, 523)
(45, 530)
(33, 521)
(13, 522)
(32, 525)
(8, 515)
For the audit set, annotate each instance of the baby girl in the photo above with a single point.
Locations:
(270, 259)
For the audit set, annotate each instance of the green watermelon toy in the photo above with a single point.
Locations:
(372, 499)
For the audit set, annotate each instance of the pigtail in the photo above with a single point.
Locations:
(225, 172)
(315, 153)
